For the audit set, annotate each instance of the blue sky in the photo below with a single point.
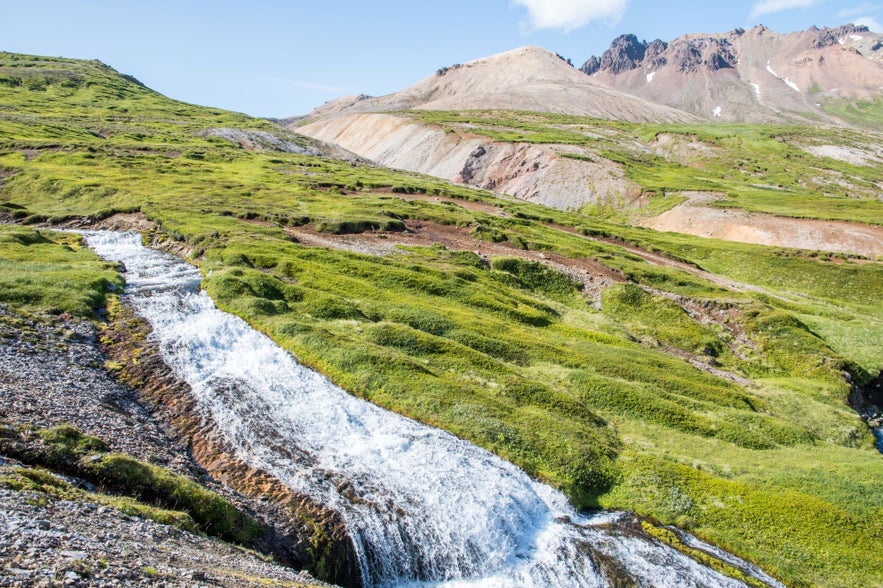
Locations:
(281, 58)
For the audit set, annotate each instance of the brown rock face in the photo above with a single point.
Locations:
(625, 53)
(300, 532)
(687, 54)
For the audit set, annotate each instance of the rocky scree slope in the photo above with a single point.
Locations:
(757, 75)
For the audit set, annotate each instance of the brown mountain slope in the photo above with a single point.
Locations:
(528, 78)
(748, 76)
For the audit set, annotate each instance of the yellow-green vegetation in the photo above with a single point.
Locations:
(769, 463)
(55, 487)
(868, 114)
(157, 492)
(755, 168)
(52, 272)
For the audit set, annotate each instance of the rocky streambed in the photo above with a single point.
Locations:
(55, 529)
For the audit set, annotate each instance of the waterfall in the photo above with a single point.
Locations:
(423, 508)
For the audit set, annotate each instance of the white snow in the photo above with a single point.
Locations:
(650, 76)
(856, 37)
(717, 112)
(842, 41)
(756, 88)
(791, 84)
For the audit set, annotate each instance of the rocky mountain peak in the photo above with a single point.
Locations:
(709, 53)
(827, 37)
(686, 54)
(626, 52)
(748, 75)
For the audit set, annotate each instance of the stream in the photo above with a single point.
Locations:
(422, 507)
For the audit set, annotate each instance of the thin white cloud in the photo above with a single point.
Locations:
(869, 22)
(863, 8)
(772, 6)
(571, 14)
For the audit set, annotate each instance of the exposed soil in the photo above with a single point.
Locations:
(765, 229)
(543, 174)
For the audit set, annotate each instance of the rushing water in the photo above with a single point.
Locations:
(423, 508)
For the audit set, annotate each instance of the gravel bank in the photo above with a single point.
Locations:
(65, 543)
(54, 373)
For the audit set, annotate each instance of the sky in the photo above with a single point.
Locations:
(278, 58)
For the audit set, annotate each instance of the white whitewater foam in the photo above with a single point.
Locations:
(423, 507)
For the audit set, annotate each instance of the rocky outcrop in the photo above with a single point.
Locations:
(564, 177)
(654, 55)
(625, 53)
(686, 54)
(591, 65)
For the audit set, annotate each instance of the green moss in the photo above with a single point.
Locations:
(52, 272)
(66, 449)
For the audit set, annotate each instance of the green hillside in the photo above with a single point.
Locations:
(707, 391)
(756, 168)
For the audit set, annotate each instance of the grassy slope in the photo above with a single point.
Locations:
(756, 168)
(509, 357)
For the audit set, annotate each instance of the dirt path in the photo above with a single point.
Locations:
(594, 276)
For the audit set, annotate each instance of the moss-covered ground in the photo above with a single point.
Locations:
(758, 452)
(752, 167)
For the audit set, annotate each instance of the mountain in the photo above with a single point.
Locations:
(757, 75)
(525, 79)
(714, 179)
(528, 78)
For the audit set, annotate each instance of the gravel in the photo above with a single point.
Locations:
(53, 373)
(65, 543)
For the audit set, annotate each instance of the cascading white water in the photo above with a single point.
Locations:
(423, 507)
